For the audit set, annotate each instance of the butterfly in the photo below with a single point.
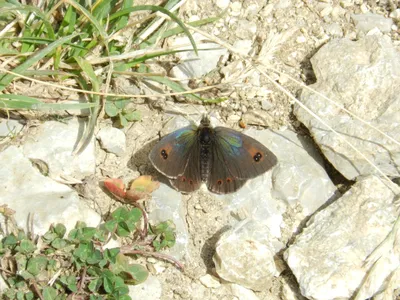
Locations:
(221, 157)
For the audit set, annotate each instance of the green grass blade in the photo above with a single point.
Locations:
(10, 101)
(122, 21)
(15, 6)
(157, 9)
(91, 18)
(176, 87)
(40, 41)
(6, 79)
(89, 130)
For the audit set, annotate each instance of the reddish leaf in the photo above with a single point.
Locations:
(144, 184)
(141, 187)
(115, 186)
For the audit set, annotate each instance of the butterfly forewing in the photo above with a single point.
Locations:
(170, 155)
(242, 155)
(190, 180)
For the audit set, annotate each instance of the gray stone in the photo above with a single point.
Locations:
(242, 293)
(112, 140)
(166, 204)
(245, 255)
(328, 257)
(364, 77)
(193, 66)
(210, 281)
(151, 289)
(368, 21)
(24, 189)
(53, 142)
(10, 127)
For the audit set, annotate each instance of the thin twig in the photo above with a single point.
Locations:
(82, 280)
(36, 289)
(129, 251)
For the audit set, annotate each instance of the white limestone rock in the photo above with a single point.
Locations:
(245, 255)
(328, 257)
(195, 66)
(53, 142)
(24, 189)
(10, 127)
(241, 293)
(210, 281)
(364, 77)
(166, 204)
(368, 21)
(112, 140)
(151, 289)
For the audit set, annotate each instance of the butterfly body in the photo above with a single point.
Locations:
(221, 157)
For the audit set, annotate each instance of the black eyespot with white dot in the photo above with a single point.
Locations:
(257, 157)
(164, 154)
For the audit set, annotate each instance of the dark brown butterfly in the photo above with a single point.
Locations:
(221, 157)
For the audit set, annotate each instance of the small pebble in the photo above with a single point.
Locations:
(210, 281)
(222, 4)
(236, 8)
(301, 39)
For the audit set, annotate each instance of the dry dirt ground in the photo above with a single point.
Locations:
(311, 24)
(205, 216)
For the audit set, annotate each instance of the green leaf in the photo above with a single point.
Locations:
(26, 275)
(36, 264)
(111, 254)
(95, 284)
(123, 122)
(121, 103)
(10, 240)
(95, 257)
(108, 281)
(84, 234)
(60, 230)
(29, 295)
(101, 234)
(59, 243)
(125, 297)
(111, 225)
(20, 260)
(133, 116)
(49, 236)
(120, 214)
(110, 109)
(88, 233)
(134, 274)
(165, 235)
(26, 247)
(52, 264)
(123, 229)
(21, 235)
(120, 287)
(84, 251)
(49, 293)
(20, 295)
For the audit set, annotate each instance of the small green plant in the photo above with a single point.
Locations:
(58, 265)
(121, 113)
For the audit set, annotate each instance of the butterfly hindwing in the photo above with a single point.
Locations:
(190, 180)
(242, 155)
(170, 155)
(220, 179)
